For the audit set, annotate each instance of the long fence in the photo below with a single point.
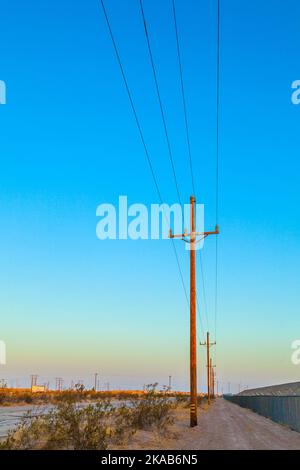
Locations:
(282, 409)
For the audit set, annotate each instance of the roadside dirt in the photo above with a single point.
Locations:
(222, 426)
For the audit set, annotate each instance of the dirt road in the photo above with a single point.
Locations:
(223, 426)
(228, 426)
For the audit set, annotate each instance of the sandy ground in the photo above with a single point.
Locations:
(223, 425)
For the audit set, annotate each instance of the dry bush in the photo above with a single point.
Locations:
(68, 426)
(183, 400)
(152, 410)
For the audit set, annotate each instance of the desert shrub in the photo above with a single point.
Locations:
(201, 400)
(26, 435)
(70, 425)
(181, 399)
(28, 398)
(66, 426)
(152, 409)
(67, 396)
(78, 428)
(123, 425)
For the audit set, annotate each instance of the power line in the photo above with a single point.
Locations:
(189, 153)
(160, 102)
(141, 135)
(218, 112)
(169, 146)
(217, 163)
(131, 102)
(184, 288)
(165, 131)
(183, 99)
(204, 290)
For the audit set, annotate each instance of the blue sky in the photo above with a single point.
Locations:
(72, 304)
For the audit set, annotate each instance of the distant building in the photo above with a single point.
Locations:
(38, 388)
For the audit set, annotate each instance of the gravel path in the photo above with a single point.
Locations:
(228, 426)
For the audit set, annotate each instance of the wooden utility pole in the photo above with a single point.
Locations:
(208, 345)
(212, 379)
(193, 326)
(191, 238)
(96, 381)
(210, 376)
(58, 383)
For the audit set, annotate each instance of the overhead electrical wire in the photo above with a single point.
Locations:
(142, 138)
(167, 135)
(187, 132)
(218, 113)
(131, 101)
(160, 102)
(217, 165)
(204, 291)
(183, 99)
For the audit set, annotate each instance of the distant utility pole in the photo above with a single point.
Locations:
(193, 338)
(212, 378)
(33, 380)
(170, 382)
(208, 345)
(58, 383)
(228, 387)
(96, 381)
(3, 383)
